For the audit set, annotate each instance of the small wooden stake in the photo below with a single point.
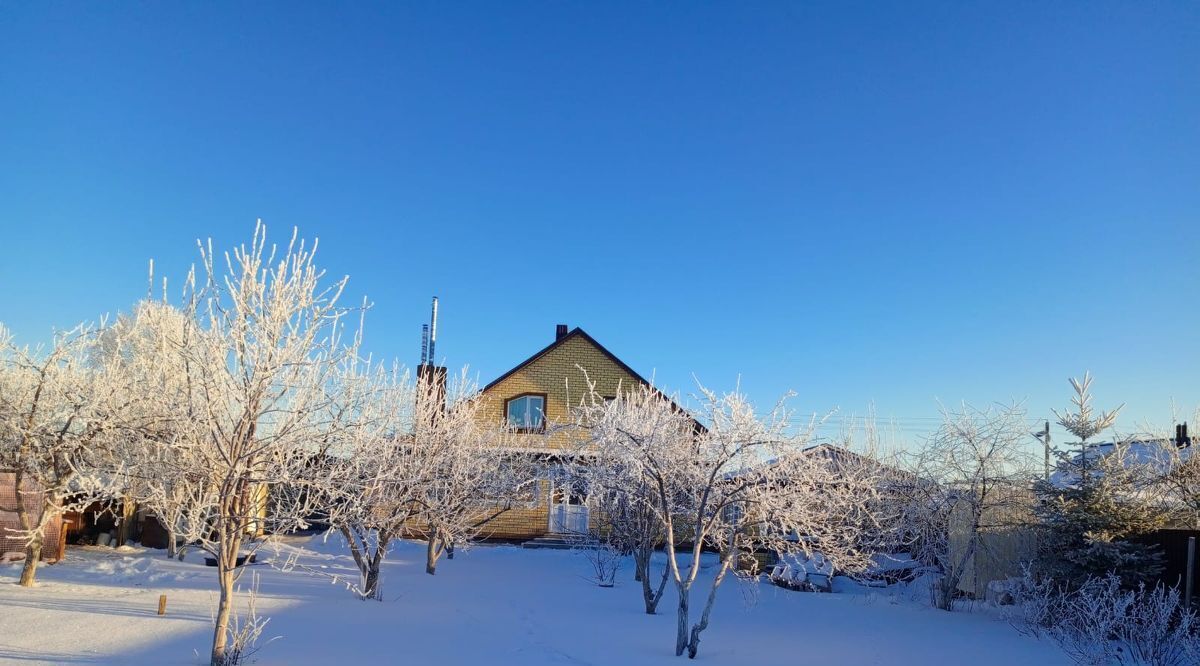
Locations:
(162, 604)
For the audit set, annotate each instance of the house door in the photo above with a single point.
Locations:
(568, 508)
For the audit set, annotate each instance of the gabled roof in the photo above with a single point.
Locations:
(575, 333)
(838, 456)
(580, 333)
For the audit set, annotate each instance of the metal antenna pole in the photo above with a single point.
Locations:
(433, 331)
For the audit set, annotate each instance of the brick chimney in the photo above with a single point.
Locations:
(436, 375)
(560, 332)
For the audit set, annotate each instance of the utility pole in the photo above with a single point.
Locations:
(1044, 436)
(1046, 442)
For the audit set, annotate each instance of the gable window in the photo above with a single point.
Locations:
(526, 412)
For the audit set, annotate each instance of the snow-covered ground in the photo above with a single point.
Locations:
(497, 605)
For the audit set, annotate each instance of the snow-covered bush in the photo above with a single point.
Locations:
(1158, 630)
(1181, 482)
(1086, 619)
(1102, 622)
(631, 526)
(809, 573)
(1034, 604)
(602, 553)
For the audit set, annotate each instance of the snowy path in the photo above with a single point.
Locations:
(489, 605)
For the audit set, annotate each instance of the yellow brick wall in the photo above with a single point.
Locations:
(522, 522)
(556, 374)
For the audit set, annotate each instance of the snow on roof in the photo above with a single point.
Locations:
(1157, 455)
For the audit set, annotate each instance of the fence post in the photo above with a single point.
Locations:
(1191, 572)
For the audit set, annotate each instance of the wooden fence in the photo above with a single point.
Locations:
(1174, 547)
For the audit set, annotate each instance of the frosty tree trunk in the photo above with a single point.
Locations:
(641, 565)
(221, 628)
(230, 535)
(652, 601)
(948, 584)
(371, 588)
(694, 640)
(33, 553)
(368, 561)
(126, 524)
(641, 572)
(371, 584)
(433, 551)
(172, 548)
(681, 630)
(33, 550)
(650, 596)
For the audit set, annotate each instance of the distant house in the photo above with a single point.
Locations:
(1155, 455)
(539, 391)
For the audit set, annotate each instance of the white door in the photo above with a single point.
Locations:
(568, 510)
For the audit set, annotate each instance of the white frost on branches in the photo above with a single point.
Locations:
(739, 484)
(63, 411)
(250, 374)
(1084, 422)
(970, 479)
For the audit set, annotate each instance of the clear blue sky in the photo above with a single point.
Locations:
(877, 202)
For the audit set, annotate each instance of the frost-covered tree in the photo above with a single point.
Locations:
(62, 409)
(259, 361)
(1096, 503)
(473, 474)
(1083, 422)
(625, 500)
(1182, 486)
(414, 459)
(970, 478)
(743, 482)
(375, 473)
(151, 468)
(1180, 477)
(1088, 527)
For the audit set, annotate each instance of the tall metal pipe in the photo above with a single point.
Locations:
(433, 331)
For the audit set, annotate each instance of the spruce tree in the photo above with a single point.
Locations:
(1094, 510)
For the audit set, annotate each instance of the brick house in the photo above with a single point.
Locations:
(540, 391)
